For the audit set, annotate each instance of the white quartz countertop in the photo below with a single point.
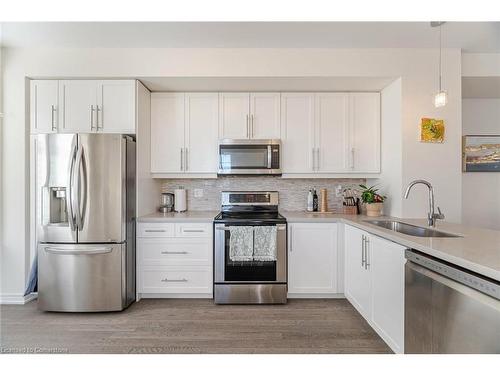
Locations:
(478, 250)
(187, 216)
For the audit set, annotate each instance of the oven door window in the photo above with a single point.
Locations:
(246, 270)
(243, 156)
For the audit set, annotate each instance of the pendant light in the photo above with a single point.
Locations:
(441, 98)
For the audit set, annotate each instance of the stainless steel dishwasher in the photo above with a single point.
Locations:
(449, 309)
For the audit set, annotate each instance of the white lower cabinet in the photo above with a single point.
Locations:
(174, 260)
(312, 260)
(374, 283)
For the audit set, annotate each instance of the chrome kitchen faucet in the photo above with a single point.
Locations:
(431, 216)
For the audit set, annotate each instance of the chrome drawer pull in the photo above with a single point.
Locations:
(155, 230)
(165, 280)
(193, 230)
(174, 252)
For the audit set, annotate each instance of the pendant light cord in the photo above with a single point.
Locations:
(440, 48)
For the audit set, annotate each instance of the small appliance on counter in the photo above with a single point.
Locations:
(180, 202)
(166, 202)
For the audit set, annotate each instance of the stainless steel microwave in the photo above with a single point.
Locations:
(249, 157)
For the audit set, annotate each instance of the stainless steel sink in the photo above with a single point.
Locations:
(411, 230)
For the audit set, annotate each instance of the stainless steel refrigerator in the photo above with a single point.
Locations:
(85, 207)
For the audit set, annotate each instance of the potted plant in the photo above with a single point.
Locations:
(374, 202)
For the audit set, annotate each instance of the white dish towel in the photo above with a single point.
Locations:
(264, 243)
(241, 243)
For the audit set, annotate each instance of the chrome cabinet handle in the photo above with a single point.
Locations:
(186, 158)
(193, 230)
(313, 160)
(53, 110)
(352, 158)
(291, 239)
(97, 117)
(248, 127)
(165, 280)
(317, 159)
(182, 150)
(154, 230)
(252, 127)
(174, 252)
(367, 243)
(363, 251)
(92, 117)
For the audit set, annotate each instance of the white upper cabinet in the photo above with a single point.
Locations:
(78, 101)
(116, 106)
(297, 132)
(357, 274)
(312, 258)
(202, 116)
(249, 115)
(331, 132)
(44, 106)
(83, 106)
(365, 132)
(265, 115)
(234, 116)
(167, 132)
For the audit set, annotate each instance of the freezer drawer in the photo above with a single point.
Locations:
(82, 277)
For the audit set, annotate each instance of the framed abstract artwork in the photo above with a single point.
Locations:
(432, 130)
(481, 153)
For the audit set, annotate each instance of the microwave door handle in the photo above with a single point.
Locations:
(269, 157)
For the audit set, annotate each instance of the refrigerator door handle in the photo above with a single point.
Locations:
(80, 179)
(70, 201)
(88, 251)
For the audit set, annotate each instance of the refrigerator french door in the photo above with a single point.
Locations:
(85, 221)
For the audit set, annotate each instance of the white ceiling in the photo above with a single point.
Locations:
(470, 36)
(480, 87)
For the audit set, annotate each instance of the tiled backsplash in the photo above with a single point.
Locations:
(293, 192)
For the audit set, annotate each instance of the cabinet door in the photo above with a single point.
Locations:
(78, 101)
(116, 106)
(312, 258)
(387, 263)
(234, 115)
(265, 115)
(167, 133)
(357, 277)
(297, 132)
(331, 132)
(365, 132)
(202, 116)
(44, 106)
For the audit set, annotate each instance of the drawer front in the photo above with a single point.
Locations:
(155, 230)
(175, 251)
(176, 280)
(193, 229)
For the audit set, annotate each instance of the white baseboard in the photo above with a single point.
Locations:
(16, 299)
(315, 295)
(174, 295)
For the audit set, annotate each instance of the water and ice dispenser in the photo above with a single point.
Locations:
(58, 213)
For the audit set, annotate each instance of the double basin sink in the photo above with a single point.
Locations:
(409, 229)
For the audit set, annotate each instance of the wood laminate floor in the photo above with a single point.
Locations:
(193, 326)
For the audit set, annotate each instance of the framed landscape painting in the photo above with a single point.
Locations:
(481, 153)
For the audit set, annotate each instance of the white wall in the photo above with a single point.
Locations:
(481, 64)
(416, 67)
(480, 200)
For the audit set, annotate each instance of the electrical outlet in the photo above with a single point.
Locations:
(198, 193)
(338, 191)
